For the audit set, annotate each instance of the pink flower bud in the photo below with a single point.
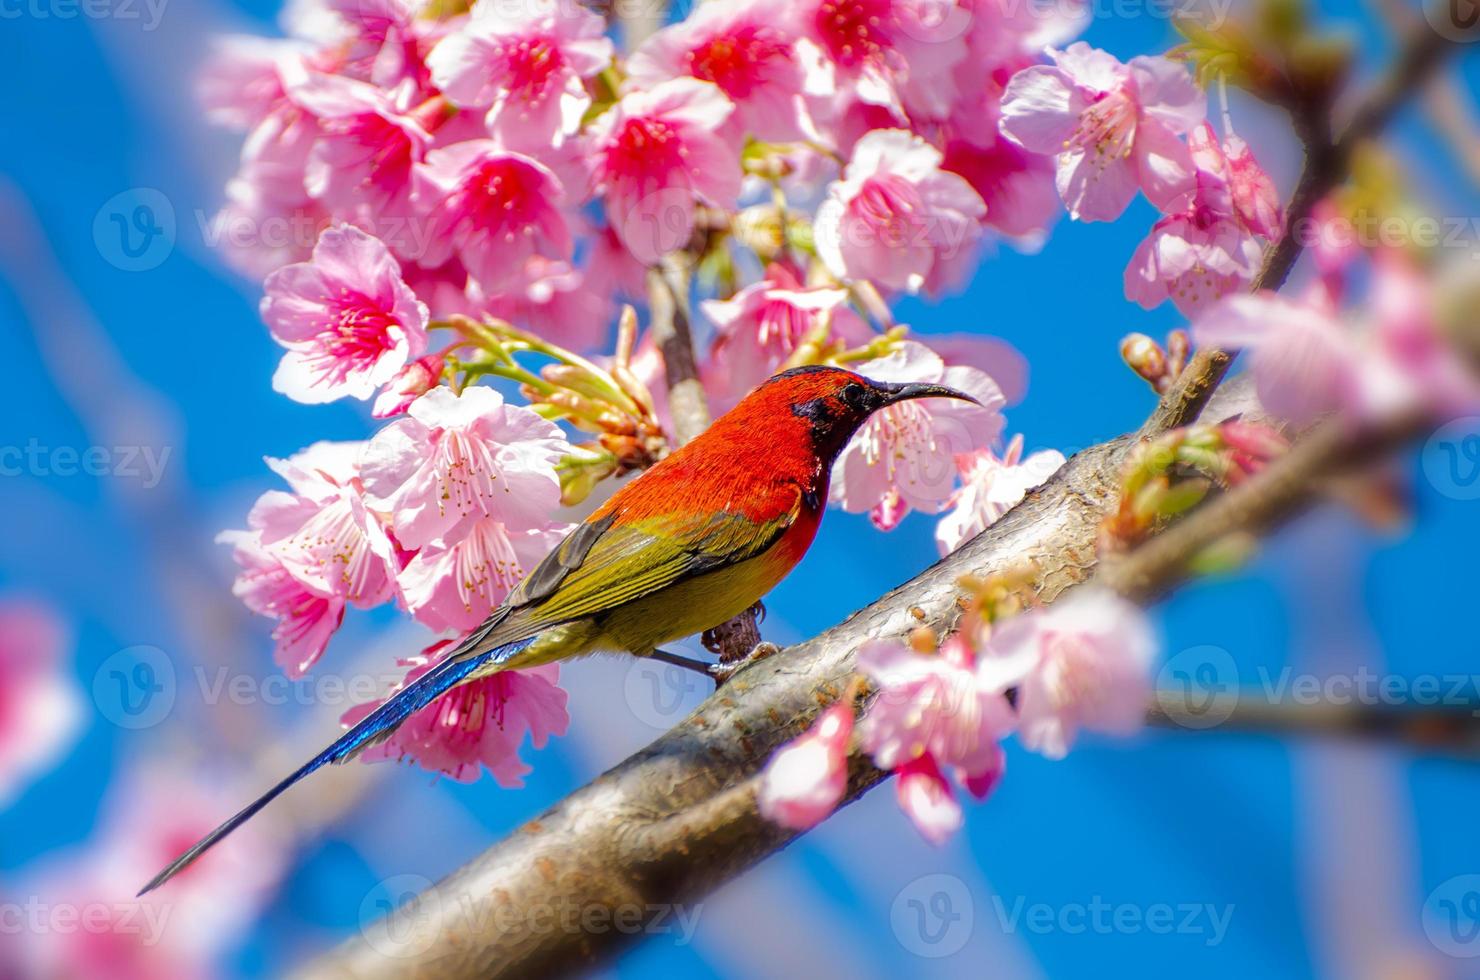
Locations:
(803, 782)
(409, 384)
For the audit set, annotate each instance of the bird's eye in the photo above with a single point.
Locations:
(854, 394)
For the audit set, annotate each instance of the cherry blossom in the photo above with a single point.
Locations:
(348, 319)
(926, 797)
(1089, 660)
(527, 63)
(1256, 200)
(481, 723)
(492, 208)
(306, 619)
(895, 216)
(409, 384)
(40, 707)
(761, 325)
(1196, 255)
(456, 585)
(990, 487)
(557, 300)
(746, 50)
(935, 712)
(1113, 128)
(804, 782)
(458, 458)
(322, 532)
(655, 154)
(361, 164)
(898, 54)
(902, 457)
(1304, 362)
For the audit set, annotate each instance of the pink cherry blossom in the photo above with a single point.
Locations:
(1113, 128)
(492, 208)
(948, 705)
(527, 63)
(1256, 201)
(1305, 363)
(927, 799)
(990, 487)
(306, 619)
(480, 723)
(361, 164)
(899, 54)
(1017, 186)
(241, 81)
(655, 154)
(746, 50)
(1196, 255)
(409, 384)
(906, 451)
(761, 325)
(1090, 657)
(1004, 363)
(556, 300)
(459, 458)
(322, 532)
(804, 781)
(40, 707)
(349, 321)
(937, 712)
(895, 215)
(455, 586)
(259, 232)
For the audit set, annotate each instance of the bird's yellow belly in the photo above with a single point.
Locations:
(693, 606)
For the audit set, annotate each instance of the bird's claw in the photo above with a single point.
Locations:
(722, 672)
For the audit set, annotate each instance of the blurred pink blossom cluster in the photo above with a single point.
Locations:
(938, 717)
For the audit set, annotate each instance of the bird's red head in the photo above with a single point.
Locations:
(829, 404)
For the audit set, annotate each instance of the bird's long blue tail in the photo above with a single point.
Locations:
(378, 724)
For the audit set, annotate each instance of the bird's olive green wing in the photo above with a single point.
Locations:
(609, 562)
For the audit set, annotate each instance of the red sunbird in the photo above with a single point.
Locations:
(690, 544)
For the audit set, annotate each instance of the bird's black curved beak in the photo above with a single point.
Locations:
(910, 390)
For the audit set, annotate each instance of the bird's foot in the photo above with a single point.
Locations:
(723, 671)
